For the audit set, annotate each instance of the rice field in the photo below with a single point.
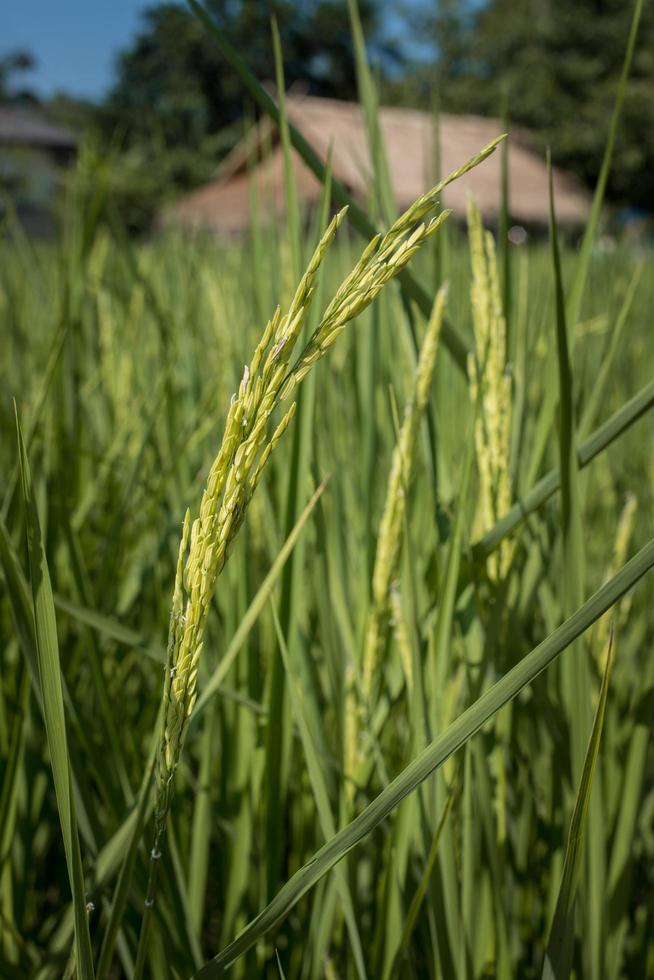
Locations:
(325, 650)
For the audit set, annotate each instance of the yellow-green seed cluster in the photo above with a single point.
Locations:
(385, 602)
(232, 481)
(267, 381)
(401, 634)
(619, 557)
(490, 380)
(390, 528)
(383, 259)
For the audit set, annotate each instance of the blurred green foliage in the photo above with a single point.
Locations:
(556, 66)
(123, 358)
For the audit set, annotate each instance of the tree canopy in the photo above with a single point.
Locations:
(557, 64)
(12, 64)
(173, 81)
(176, 107)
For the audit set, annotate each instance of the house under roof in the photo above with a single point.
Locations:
(25, 128)
(33, 152)
(223, 205)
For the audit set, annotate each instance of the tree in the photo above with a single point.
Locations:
(12, 64)
(176, 106)
(174, 82)
(559, 64)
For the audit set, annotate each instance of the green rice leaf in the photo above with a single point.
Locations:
(321, 796)
(420, 892)
(255, 607)
(558, 958)
(105, 625)
(47, 651)
(583, 263)
(596, 443)
(573, 306)
(431, 758)
(608, 356)
(575, 680)
(357, 215)
(121, 892)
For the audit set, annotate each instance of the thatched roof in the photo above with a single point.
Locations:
(22, 127)
(223, 205)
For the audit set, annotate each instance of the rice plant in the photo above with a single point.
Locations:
(331, 664)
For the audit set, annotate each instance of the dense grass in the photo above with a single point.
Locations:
(365, 626)
(122, 360)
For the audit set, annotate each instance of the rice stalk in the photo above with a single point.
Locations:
(390, 529)
(245, 449)
(490, 380)
(621, 544)
(389, 540)
(400, 629)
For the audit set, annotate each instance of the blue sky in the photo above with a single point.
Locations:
(75, 42)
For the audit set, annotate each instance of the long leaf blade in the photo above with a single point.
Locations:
(456, 735)
(558, 957)
(47, 649)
